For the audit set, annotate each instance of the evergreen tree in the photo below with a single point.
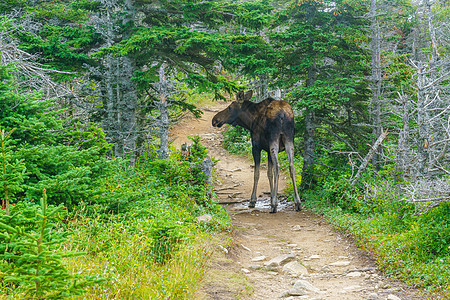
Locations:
(323, 66)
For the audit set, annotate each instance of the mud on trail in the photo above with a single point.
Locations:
(286, 255)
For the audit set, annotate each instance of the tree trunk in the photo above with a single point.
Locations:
(423, 122)
(119, 92)
(376, 79)
(310, 142)
(368, 157)
(164, 113)
(127, 100)
(403, 158)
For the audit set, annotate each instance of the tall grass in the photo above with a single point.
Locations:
(121, 252)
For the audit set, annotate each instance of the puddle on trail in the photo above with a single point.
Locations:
(262, 205)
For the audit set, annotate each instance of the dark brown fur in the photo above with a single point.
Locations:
(271, 126)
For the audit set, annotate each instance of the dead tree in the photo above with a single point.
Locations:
(429, 111)
(369, 157)
(31, 75)
(426, 194)
(163, 106)
(376, 77)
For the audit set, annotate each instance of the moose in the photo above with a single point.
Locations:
(271, 126)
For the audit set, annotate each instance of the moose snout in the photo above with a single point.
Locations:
(216, 123)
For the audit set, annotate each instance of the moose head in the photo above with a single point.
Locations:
(231, 114)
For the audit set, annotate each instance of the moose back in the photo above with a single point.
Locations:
(271, 126)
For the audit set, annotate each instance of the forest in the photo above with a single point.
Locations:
(98, 204)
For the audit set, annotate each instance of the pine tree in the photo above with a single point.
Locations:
(322, 66)
(30, 259)
(12, 172)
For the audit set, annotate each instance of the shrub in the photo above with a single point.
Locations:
(30, 259)
(237, 140)
(69, 175)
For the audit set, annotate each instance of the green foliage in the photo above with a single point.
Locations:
(66, 159)
(123, 251)
(59, 34)
(237, 140)
(86, 136)
(12, 174)
(166, 241)
(198, 152)
(70, 175)
(26, 112)
(321, 63)
(8, 5)
(339, 192)
(30, 259)
(178, 181)
(139, 230)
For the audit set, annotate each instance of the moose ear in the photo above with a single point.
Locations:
(248, 95)
(240, 97)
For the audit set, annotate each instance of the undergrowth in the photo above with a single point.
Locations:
(137, 234)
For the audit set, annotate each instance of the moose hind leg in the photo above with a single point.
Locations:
(276, 169)
(270, 172)
(257, 158)
(290, 154)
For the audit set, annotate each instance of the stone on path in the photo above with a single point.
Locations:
(342, 263)
(393, 297)
(295, 268)
(325, 269)
(373, 296)
(258, 258)
(354, 274)
(301, 287)
(246, 248)
(296, 228)
(280, 260)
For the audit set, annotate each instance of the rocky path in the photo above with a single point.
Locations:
(287, 255)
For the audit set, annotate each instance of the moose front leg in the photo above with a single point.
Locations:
(257, 158)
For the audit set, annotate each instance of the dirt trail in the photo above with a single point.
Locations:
(288, 255)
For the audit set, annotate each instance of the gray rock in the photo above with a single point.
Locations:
(342, 263)
(354, 274)
(295, 292)
(393, 297)
(296, 228)
(301, 287)
(258, 258)
(373, 296)
(280, 260)
(204, 218)
(246, 248)
(325, 269)
(295, 268)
